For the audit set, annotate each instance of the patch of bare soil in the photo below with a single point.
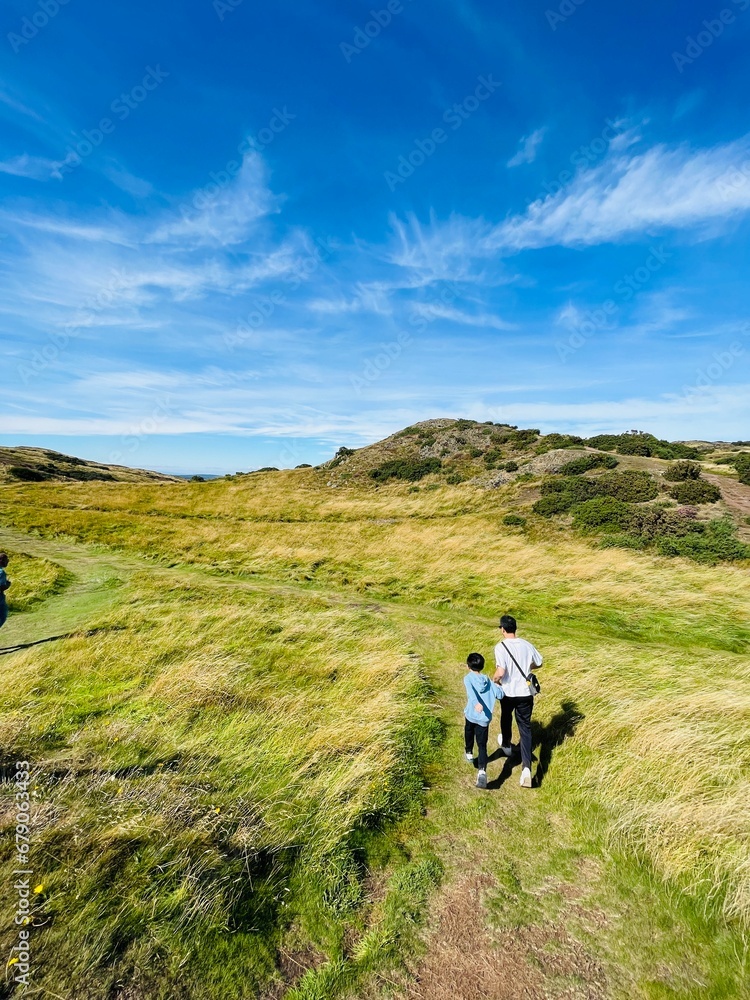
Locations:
(736, 496)
(292, 965)
(467, 961)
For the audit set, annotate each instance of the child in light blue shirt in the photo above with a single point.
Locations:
(4, 584)
(481, 695)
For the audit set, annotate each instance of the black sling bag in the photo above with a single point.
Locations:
(535, 687)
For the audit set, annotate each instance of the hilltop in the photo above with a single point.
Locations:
(37, 465)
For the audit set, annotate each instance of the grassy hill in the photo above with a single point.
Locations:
(42, 465)
(247, 773)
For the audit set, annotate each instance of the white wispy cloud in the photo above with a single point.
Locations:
(528, 148)
(629, 195)
(437, 311)
(221, 216)
(37, 168)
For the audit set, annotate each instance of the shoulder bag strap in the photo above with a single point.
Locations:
(525, 676)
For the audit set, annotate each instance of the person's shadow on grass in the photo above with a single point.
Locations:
(545, 739)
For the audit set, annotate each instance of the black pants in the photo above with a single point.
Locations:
(523, 707)
(473, 731)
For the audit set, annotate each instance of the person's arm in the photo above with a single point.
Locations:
(537, 659)
(500, 671)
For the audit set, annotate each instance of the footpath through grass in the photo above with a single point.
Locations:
(305, 701)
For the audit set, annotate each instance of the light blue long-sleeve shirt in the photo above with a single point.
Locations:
(480, 690)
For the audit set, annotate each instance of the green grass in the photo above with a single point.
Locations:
(290, 656)
(33, 581)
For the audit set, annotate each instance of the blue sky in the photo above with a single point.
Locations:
(236, 234)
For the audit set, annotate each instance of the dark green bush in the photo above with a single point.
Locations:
(197, 479)
(631, 485)
(341, 456)
(514, 520)
(695, 491)
(410, 469)
(475, 452)
(523, 438)
(553, 503)
(304, 465)
(716, 542)
(742, 465)
(588, 462)
(511, 467)
(682, 471)
(26, 474)
(602, 514)
(558, 441)
(640, 443)
(266, 468)
(455, 478)
(492, 457)
(576, 487)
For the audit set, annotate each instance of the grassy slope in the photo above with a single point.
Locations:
(33, 581)
(651, 786)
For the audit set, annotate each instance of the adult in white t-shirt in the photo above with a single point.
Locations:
(517, 698)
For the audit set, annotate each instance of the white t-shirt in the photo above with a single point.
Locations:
(528, 657)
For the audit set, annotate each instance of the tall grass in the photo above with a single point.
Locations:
(204, 776)
(32, 581)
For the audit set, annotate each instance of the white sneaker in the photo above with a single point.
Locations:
(525, 778)
(482, 779)
(470, 757)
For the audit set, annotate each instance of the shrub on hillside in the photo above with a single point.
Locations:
(341, 456)
(631, 485)
(640, 443)
(511, 467)
(588, 462)
(553, 503)
(602, 514)
(559, 441)
(410, 469)
(742, 465)
(26, 474)
(714, 542)
(683, 471)
(576, 487)
(523, 438)
(514, 520)
(695, 491)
